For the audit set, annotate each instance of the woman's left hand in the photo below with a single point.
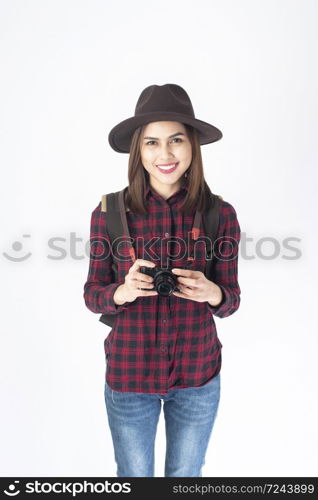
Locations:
(194, 285)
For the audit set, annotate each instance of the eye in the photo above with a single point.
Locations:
(149, 143)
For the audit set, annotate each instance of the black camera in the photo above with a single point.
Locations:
(165, 282)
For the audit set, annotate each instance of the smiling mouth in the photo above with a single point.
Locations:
(169, 167)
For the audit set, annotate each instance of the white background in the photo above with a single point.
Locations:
(71, 70)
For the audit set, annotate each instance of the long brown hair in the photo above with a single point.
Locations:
(198, 195)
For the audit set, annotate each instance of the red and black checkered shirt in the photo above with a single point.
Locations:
(160, 343)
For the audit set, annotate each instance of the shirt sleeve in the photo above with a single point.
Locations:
(100, 286)
(225, 267)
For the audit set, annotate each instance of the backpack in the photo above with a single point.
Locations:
(112, 204)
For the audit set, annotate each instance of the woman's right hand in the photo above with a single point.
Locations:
(134, 280)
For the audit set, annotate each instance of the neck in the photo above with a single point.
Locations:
(165, 190)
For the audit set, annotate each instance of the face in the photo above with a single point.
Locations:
(165, 144)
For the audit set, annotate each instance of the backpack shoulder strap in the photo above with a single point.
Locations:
(110, 206)
(104, 203)
(110, 210)
(211, 219)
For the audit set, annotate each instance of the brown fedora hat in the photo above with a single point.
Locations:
(157, 103)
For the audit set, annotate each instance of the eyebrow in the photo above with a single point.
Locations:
(173, 135)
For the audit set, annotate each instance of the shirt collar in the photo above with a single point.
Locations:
(178, 194)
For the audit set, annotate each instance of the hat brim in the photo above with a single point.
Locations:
(120, 136)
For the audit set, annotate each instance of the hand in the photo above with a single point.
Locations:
(194, 285)
(134, 280)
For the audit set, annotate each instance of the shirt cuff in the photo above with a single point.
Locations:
(223, 306)
(109, 303)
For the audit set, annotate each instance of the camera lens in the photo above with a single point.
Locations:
(164, 284)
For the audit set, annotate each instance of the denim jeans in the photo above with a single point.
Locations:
(189, 417)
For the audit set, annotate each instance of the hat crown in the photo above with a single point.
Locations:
(168, 102)
(164, 98)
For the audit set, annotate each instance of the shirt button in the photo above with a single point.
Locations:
(164, 320)
(163, 348)
(167, 235)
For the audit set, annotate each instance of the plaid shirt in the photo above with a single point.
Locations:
(160, 343)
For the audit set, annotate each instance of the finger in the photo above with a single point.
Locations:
(187, 273)
(179, 294)
(141, 262)
(142, 277)
(142, 284)
(188, 281)
(185, 289)
(145, 293)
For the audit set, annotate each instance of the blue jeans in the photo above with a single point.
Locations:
(189, 417)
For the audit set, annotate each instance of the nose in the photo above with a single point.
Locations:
(165, 154)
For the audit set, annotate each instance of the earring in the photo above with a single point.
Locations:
(186, 174)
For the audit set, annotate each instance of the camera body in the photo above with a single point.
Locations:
(165, 282)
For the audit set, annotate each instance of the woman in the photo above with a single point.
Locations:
(163, 348)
